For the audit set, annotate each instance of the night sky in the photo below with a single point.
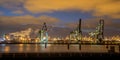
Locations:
(18, 14)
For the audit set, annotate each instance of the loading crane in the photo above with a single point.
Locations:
(77, 33)
(98, 34)
(43, 34)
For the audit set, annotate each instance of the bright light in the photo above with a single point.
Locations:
(44, 38)
(54, 39)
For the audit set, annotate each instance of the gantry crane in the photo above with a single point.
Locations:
(77, 33)
(43, 34)
(98, 34)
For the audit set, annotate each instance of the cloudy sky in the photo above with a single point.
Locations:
(17, 14)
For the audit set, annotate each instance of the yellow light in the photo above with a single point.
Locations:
(54, 39)
(7, 49)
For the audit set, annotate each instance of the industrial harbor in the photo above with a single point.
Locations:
(74, 36)
(74, 43)
(58, 29)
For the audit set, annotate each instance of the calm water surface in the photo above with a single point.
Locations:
(40, 48)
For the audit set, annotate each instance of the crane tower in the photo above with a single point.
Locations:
(77, 33)
(99, 32)
(43, 35)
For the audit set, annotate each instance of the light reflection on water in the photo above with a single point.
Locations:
(7, 49)
(36, 48)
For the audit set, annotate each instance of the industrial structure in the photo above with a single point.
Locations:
(43, 34)
(95, 38)
(18, 37)
(98, 34)
(77, 33)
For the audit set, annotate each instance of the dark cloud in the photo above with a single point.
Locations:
(12, 4)
(16, 23)
(100, 8)
(27, 19)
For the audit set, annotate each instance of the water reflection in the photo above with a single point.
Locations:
(36, 47)
(28, 47)
(31, 48)
(7, 49)
(20, 47)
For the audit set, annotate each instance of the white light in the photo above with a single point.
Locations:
(44, 38)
